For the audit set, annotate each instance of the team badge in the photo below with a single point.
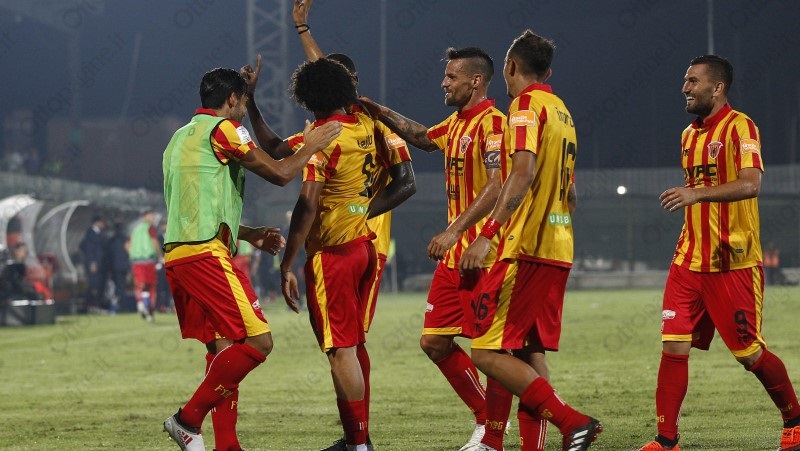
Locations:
(463, 144)
(713, 149)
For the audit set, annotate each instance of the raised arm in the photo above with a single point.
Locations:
(270, 141)
(413, 132)
(300, 17)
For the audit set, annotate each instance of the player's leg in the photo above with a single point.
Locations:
(683, 315)
(137, 274)
(515, 287)
(738, 299)
(230, 306)
(335, 285)
(443, 321)
(532, 427)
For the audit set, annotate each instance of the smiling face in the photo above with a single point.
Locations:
(701, 91)
(458, 84)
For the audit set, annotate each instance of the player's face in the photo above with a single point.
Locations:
(457, 84)
(699, 89)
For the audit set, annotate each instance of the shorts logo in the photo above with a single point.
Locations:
(394, 142)
(256, 305)
(749, 146)
(463, 144)
(244, 136)
(493, 142)
(713, 149)
(428, 307)
(523, 118)
(668, 314)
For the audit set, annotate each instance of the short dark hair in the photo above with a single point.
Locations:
(218, 84)
(323, 85)
(532, 53)
(479, 62)
(719, 68)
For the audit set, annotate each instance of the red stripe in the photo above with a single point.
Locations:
(540, 132)
(311, 173)
(456, 180)
(497, 128)
(724, 207)
(437, 132)
(692, 134)
(751, 126)
(333, 161)
(221, 137)
(295, 141)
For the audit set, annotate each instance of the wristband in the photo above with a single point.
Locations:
(490, 229)
(299, 31)
(301, 25)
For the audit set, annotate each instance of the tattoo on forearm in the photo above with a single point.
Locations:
(514, 202)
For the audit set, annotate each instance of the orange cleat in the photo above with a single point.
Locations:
(790, 439)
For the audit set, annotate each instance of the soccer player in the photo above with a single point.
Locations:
(474, 169)
(535, 254)
(204, 166)
(716, 280)
(330, 216)
(144, 253)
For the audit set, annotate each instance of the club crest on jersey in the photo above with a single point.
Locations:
(463, 144)
(713, 149)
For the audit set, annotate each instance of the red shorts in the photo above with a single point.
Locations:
(213, 297)
(520, 302)
(449, 309)
(696, 303)
(144, 273)
(338, 284)
(372, 299)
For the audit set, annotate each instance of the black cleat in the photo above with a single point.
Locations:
(580, 438)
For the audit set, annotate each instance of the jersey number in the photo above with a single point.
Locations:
(368, 169)
(568, 150)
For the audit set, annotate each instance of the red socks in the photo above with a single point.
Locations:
(542, 398)
(673, 381)
(459, 370)
(498, 405)
(772, 373)
(363, 360)
(223, 417)
(354, 421)
(225, 372)
(532, 430)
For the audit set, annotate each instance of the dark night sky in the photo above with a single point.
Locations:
(619, 64)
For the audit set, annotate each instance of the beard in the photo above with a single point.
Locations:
(702, 109)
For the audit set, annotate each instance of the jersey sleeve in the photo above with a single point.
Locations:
(524, 125)
(747, 142)
(231, 140)
(438, 134)
(296, 141)
(492, 145)
(392, 149)
(317, 169)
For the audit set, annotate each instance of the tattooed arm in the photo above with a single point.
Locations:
(413, 132)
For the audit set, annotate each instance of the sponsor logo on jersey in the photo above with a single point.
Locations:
(523, 118)
(492, 159)
(395, 142)
(244, 135)
(559, 219)
(357, 209)
(748, 145)
(494, 142)
(714, 148)
(667, 314)
(315, 159)
(463, 144)
(365, 143)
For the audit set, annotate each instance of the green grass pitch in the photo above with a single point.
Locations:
(98, 382)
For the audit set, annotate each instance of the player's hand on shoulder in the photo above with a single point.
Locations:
(320, 137)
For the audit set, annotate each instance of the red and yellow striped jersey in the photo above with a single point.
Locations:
(541, 227)
(392, 150)
(719, 236)
(471, 142)
(347, 168)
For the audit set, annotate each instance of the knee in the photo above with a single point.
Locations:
(436, 347)
(262, 343)
(750, 360)
(482, 358)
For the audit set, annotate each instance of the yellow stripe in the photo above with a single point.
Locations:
(322, 301)
(759, 342)
(441, 331)
(216, 247)
(493, 338)
(252, 323)
(372, 295)
(666, 337)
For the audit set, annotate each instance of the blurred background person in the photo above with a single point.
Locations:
(144, 252)
(118, 265)
(93, 248)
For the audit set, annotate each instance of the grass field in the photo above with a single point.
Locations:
(98, 382)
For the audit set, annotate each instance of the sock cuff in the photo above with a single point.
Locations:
(765, 355)
(453, 354)
(675, 357)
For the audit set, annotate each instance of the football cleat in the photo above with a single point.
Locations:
(580, 438)
(475, 441)
(657, 445)
(186, 438)
(790, 439)
(341, 445)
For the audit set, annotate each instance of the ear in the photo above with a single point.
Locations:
(232, 100)
(511, 67)
(476, 80)
(547, 74)
(719, 88)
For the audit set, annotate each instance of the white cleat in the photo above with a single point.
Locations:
(474, 443)
(186, 439)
